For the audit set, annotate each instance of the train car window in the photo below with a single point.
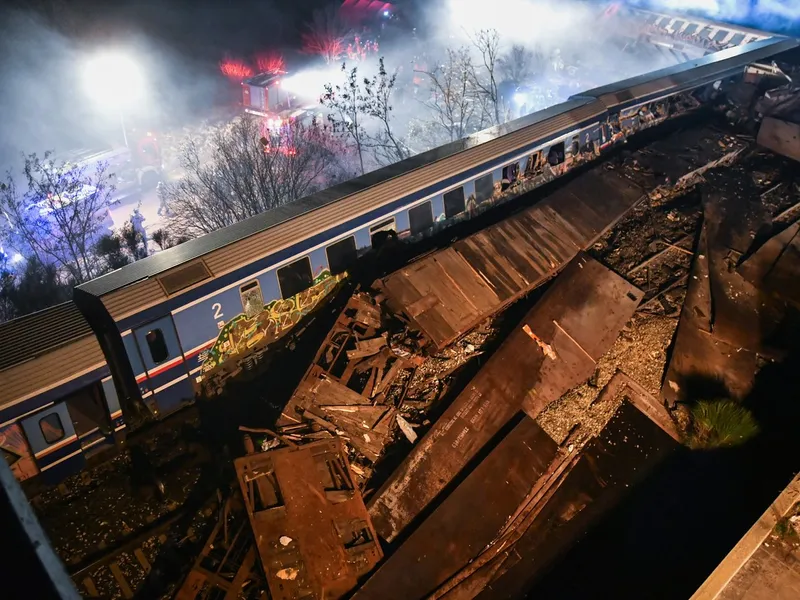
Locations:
(454, 202)
(676, 26)
(690, 29)
(252, 298)
(342, 255)
(157, 346)
(420, 217)
(295, 277)
(510, 172)
(556, 154)
(737, 39)
(383, 226)
(706, 32)
(484, 188)
(576, 146)
(721, 35)
(52, 429)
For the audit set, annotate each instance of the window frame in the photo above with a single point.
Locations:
(463, 201)
(150, 346)
(561, 156)
(482, 179)
(328, 256)
(294, 262)
(418, 207)
(242, 291)
(60, 426)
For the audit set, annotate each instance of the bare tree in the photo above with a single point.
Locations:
(487, 43)
(247, 171)
(521, 64)
(452, 95)
(60, 216)
(326, 35)
(347, 105)
(386, 143)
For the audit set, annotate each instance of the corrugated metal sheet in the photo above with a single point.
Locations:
(59, 366)
(271, 240)
(37, 333)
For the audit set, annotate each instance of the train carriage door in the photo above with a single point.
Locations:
(164, 364)
(54, 442)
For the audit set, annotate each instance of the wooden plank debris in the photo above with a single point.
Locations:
(449, 292)
(579, 325)
(312, 530)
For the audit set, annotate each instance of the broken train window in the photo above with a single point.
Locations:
(252, 298)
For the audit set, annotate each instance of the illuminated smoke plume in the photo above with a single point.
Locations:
(235, 70)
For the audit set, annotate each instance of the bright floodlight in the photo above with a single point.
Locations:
(113, 79)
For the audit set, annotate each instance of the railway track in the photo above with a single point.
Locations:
(118, 571)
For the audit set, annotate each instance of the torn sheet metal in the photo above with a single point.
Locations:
(579, 317)
(312, 530)
(606, 469)
(452, 536)
(449, 292)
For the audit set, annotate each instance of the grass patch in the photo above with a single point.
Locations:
(720, 424)
(784, 530)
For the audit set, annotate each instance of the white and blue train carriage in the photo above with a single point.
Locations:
(158, 318)
(58, 403)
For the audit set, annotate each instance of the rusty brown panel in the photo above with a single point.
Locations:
(625, 451)
(313, 532)
(502, 257)
(467, 520)
(579, 316)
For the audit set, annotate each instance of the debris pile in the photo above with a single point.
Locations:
(370, 380)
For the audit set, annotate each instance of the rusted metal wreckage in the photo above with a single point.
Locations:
(554, 348)
(454, 289)
(533, 497)
(226, 567)
(310, 525)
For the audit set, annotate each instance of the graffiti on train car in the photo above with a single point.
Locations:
(17, 452)
(253, 329)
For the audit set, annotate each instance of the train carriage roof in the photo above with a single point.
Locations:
(30, 336)
(710, 67)
(167, 259)
(705, 69)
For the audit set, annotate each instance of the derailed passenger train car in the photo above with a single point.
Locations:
(153, 330)
(173, 318)
(58, 403)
